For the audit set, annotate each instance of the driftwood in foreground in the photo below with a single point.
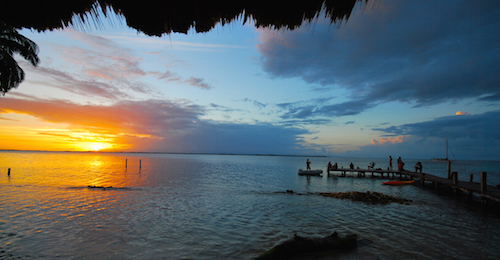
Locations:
(300, 245)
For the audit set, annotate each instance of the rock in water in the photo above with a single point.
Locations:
(300, 245)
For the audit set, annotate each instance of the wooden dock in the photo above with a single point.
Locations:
(481, 188)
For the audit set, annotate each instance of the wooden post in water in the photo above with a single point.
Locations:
(483, 182)
(140, 164)
(448, 168)
(125, 163)
(422, 175)
(454, 176)
(8, 172)
(471, 179)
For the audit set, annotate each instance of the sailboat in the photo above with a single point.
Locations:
(443, 159)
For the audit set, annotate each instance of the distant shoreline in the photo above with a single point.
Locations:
(284, 155)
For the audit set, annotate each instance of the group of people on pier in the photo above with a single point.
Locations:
(333, 167)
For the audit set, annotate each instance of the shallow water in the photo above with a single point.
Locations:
(225, 207)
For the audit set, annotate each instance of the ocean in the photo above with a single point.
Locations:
(194, 206)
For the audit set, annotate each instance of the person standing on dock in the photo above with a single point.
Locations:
(308, 165)
(390, 162)
(418, 166)
(400, 164)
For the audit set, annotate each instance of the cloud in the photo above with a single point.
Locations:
(174, 77)
(104, 58)
(461, 113)
(258, 104)
(84, 86)
(388, 140)
(480, 127)
(470, 137)
(398, 51)
(161, 126)
(197, 82)
(302, 110)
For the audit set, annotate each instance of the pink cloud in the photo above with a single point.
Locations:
(97, 84)
(389, 140)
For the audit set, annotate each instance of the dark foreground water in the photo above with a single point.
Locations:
(225, 207)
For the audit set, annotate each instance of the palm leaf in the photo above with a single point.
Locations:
(11, 42)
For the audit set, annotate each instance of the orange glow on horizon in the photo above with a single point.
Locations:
(25, 132)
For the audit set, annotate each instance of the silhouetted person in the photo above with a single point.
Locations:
(401, 164)
(390, 162)
(308, 165)
(418, 166)
(351, 166)
(372, 165)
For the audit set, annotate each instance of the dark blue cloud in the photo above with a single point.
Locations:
(470, 137)
(423, 52)
(303, 110)
(483, 127)
(209, 137)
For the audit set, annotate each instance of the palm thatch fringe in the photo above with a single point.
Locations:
(154, 17)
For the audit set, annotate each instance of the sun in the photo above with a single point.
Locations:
(94, 146)
(97, 147)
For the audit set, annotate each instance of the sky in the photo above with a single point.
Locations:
(398, 78)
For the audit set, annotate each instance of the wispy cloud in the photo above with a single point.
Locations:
(258, 104)
(174, 77)
(162, 41)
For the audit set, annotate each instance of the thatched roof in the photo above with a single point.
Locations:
(154, 17)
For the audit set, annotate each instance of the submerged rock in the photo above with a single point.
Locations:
(105, 188)
(301, 245)
(368, 197)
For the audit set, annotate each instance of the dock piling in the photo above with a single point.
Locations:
(483, 182)
(125, 163)
(140, 164)
(454, 176)
(8, 172)
(448, 168)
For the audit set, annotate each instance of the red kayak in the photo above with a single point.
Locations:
(398, 182)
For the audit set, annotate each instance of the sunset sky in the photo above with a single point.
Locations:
(398, 78)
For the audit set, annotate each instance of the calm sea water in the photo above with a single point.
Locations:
(226, 207)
